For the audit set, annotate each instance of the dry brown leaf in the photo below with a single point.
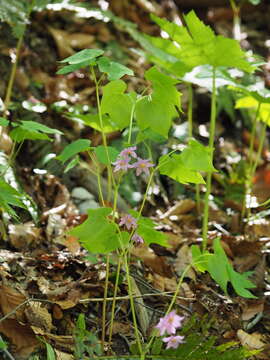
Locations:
(22, 336)
(186, 291)
(57, 312)
(63, 46)
(184, 258)
(38, 316)
(252, 341)
(9, 299)
(73, 245)
(66, 304)
(61, 341)
(252, 308)
(122, 328)
(22, 235)
(63, 356)
(180, 208)
(156, 263)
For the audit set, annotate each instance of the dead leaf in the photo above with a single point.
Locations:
(122, 328)
(184, 258)
(72, 244)
(156, 263)
(251, 308)
(22, 235)
(180, 208)
(38, 316)
(252, 341)
(9, 299)
(22, 336)
(63, 356)
(63, 46)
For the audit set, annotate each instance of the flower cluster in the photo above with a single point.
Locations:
(131, 223)
(128, 154)
(169, 324)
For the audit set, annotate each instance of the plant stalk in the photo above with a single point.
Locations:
(209, 174)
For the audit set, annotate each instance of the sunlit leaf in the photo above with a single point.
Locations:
(102, 156)
(85, 55)
(73, 148)
(157, 110)
(197, 157)
(113, 69)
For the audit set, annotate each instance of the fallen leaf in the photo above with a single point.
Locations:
(251, 308)
(122, 328)
(9, 299)
(38, 316)
(184, 258)
(23, 235)
(63, 356)
(22, 336)
(252, 341)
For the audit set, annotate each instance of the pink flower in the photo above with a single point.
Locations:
(137, 239)
(122, 164)
(169, 323)
(142, 165)
(128, 221)
(128, 152)
(173, 341)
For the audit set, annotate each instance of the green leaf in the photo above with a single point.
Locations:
(50, 352)
(86, 55)
(198, 45)
(251, 102)
(113, 69)
(255, 2)
(10, 197)
(146, 229)
(73, 67)
(101, 154)
(117, 104)
(197, 157)
(31, 130)
(92, 120)
(222, 272)
(72, 164)
(73, 149)
(199, 258)
(3, 345)
(157, 110)
(4, 122)
(174, 167)
(98, 234)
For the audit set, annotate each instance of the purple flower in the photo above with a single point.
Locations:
(169, 323)
(137, 239)
(128, 221)
(173, 341)
(122, 164)
(126, 153)
(142, 165)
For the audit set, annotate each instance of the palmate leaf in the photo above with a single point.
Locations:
(222, 272)
(157, 110)
(251, 102)
(31, 130)
(146, 229)
(73, 149)
(98, 234)
(174, 167)
(198, 45)
(113, 69)
(9, 197)
(117, 104)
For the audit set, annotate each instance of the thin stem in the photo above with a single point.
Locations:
(250, 159)
(115, 297)
(12, 76)
(190, 108)
(132, 304)
(101, 198)
(209, 174)
(253, 170)
(131, 122)
(103, 333)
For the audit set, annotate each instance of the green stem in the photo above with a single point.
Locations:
(131, 122)
(104, 305)
(190, 108)
(114, 297)
(132, 304)
(101, 198)
(250, 160)
(253, 170)
(209, 174)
